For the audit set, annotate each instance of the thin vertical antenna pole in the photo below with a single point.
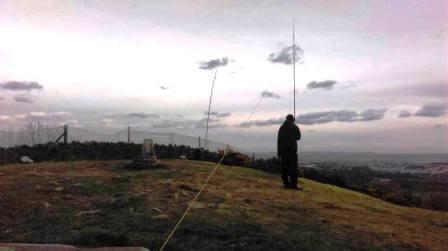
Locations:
(294, 64)
(65, 134)
(208, 113)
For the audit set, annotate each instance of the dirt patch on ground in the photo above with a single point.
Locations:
(44, 186)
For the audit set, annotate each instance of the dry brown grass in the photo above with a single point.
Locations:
(233, 192)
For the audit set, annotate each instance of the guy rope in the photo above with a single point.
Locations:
(204, 185)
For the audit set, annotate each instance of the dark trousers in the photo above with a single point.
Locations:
(289, 170)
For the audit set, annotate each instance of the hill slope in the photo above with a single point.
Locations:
(99, 204)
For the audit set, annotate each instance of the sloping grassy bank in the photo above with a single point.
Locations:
(98, 203)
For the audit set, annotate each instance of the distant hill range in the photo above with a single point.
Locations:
(306, 157)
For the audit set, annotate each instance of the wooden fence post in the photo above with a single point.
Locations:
(171, 138)
(65, 134)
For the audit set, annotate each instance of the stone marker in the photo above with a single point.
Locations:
(148, 150)
(148, 158)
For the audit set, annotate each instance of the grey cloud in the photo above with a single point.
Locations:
(326, 85)
(211, 113)
(268, 122)
(214, 120)
(268, 94)
(21, 86)
(324, 117)
(224, 115)
(217, 125)
(219, 115)
(142, 115)
(432, 110)
(404, 114)
(213, 124)
(50, 115)
(423, 89)
(327, 117)
(285, 56)
(372, 114)
(137, 115)
(165, 124)
(214, 63)
(23, 99)
(427, 89)
(188, 124)
(210, 120)
(350, 85)
(164, 87)
(43, 115)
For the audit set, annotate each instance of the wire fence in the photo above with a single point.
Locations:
(34, 134)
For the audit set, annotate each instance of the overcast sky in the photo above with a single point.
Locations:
(370, 75)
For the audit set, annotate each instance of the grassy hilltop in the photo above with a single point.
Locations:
(98, 203)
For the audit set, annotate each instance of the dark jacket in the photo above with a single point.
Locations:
(288, 134)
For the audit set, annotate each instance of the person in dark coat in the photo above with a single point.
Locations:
(288, 134)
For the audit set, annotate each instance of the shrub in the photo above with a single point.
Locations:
(234, 158)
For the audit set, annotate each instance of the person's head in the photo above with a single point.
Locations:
(290, 118)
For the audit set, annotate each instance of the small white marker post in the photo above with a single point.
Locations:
(148, 152)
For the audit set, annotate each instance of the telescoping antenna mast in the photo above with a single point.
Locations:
(294, 64)
(208, 112)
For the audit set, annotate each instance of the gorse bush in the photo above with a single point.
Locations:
(234, 158)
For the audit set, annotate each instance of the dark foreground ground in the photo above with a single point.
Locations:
(98, 203)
